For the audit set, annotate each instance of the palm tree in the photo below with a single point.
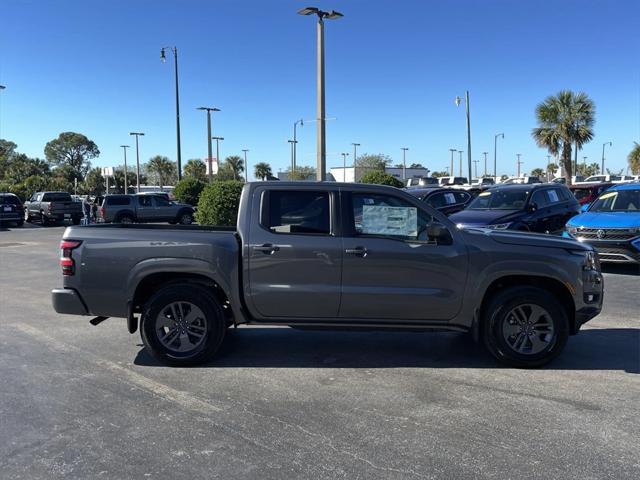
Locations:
(634, 159)
(236, 164)
(564, 120)
(161, 170)
(262, 170)
(195, 168)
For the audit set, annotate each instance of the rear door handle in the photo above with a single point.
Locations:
(357, 251)
(267, 248)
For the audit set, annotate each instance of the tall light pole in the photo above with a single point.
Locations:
(495, 155)
(404, 163)
(604, 145)
(519, 163)
(485, 163)
(452, 150)
(344, 166)
(163, 59)
(458, 101)
(293, 154)
(246, 166)
(137, 134)
(355, 158)
(209, 138)
(460, 152)
(126, 185)
(475, 166)
(2, 87)
(321, 140)
(218, 140)
(294, 158)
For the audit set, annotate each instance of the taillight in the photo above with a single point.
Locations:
(66, 260)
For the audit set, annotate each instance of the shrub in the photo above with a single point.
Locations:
(219, 202)
(381, 178)
(188, 190)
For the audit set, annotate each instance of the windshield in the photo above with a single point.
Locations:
(500, 200)
(617, 201)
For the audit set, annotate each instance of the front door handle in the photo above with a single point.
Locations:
(357, 251)
(267, 248)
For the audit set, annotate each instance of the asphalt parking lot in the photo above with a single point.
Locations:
(79, 401)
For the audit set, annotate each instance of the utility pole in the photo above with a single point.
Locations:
(209, 137)
(175, 61)
(246, 166)
(519, 163)
(460, 152)
(475, 166)
(404, 163)
(218, 140)
(293, 155)
(126, 184)
(604, 145)
(485, 163)
(452, 150)
(294, 161)
(495, 156)
(344, 166)
(355, 158)
(137, 134)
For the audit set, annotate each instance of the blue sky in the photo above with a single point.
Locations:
(393, 69)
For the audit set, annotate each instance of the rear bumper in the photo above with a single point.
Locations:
(68, 301)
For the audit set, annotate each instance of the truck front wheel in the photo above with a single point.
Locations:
(182, 325)
(525, 327)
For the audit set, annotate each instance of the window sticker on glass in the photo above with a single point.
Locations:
(450, 197)
(553, 195)
(383, 220)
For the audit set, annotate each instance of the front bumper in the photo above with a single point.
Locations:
(617, 251)
(68, 301)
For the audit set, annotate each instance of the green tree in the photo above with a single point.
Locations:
(7, 151)
(381, 178)
(236, 165)
(73, 149)
(21, 167)
(416, 165)
(225, 173)
(373, 161)
(634, 159)
(195, 168)
(588, 170)
(439, 174)
(302, 172)
(94, 182)
(262, 170)
(552, 168)
(116, 183)
(219, 202)
(537, 172)
(564, 120)
(188, 190)
(161, 171)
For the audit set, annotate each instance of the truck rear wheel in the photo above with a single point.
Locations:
(182, 325)
(525, 327)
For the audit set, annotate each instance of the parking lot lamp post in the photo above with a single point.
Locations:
(137, 134)
(321, 140)
(475, 166)
(604, 145)
(344, 166)
(495, 156)
(519, 163)
(458, 100)
(163, 59)
(246, 166)
(460, 172)
(124, 149)
(209, 138)
(218, 140)
(293, 156)
(404, 163)
(452, 150)
(485, 163)
(295, 142)
(355, 157)
(2, 87)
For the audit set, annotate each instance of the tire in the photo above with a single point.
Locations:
(525, 327)
(19, 223)
(185, 218)
(185, 348)
(124, 218)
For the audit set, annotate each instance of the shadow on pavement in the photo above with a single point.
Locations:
(621, 268)
(591, 349)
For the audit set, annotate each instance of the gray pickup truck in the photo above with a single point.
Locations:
(145, 208)
(322, 255)
(49, 207)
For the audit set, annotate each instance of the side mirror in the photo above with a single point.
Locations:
(439, 233)
(533, 206)
(584, 207)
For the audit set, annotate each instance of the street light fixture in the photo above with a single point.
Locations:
(163, 59)
(404, 163)
(126, 186)
(246, 166)
(603, 145)
(495, 156)
(218, 140)
(137, 134)
(321, 140)
(209, 110)
(458, 101)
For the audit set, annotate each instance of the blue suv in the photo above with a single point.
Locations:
(611, 224)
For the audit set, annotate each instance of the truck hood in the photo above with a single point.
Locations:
(606, 220)
(527, 240)
(484, 217)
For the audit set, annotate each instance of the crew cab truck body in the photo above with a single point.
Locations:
(331, 255)
(52, 207)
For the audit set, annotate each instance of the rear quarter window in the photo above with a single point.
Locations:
(116, 201)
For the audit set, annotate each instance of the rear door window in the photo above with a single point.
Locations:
(299, 212)
(540, 198)
(117, 201)
(9, 200)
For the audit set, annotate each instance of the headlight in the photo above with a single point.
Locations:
(499, 226)
(591, 260)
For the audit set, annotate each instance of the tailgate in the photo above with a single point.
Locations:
(65, 207)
